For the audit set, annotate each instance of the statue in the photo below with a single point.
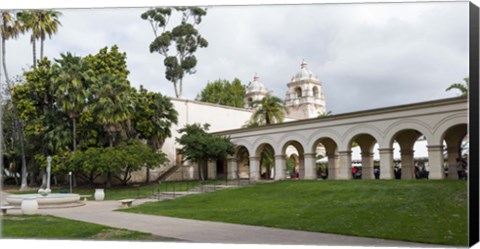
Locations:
(47, 190)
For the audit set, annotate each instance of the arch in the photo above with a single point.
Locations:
(456, 139)
(299, 168)
(298, 91)
(315, 92)
(446, 123)
(319, 134)
(358, 130)
(327, 168)
(263, 140)
(243, 142)
(290, 137)
(242, 157)
(411, 167)
(266, 164)
(366, 164)
(405, 124)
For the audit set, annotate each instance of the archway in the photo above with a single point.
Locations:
(298, 92)
(326, 155)
(315, 92)
(293, 149)
(266, 162)
(243, 163)
(456, 143)
(411, 155)
(365, 151)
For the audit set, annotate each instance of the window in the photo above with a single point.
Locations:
(298, 91)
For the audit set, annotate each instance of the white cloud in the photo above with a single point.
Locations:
(367, 55)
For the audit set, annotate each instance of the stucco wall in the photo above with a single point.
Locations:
(219, 117)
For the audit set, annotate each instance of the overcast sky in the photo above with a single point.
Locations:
(367, 55)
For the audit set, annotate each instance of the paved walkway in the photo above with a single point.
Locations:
(102, 212)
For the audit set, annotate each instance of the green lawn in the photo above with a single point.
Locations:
(49, 227)
(428, 211)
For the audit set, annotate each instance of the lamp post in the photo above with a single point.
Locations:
(70, 180)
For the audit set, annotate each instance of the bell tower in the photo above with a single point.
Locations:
(255, 91)
(304, 98)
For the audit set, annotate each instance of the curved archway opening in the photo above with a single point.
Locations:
(315, 92)
(298, 92)
(294, 153)
(243, 163)
(326, 158)
(456, 152)
(266, 157)
(410, 155)
(365, 157)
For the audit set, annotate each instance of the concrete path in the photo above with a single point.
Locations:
(102, 212)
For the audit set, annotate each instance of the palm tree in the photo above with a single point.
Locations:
(463, 88)
(72, 88)
(41, 23)
(269, 110)
(10, 28)
(112, 105)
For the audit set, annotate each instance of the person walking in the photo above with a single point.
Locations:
(460, 169)
(376, 172)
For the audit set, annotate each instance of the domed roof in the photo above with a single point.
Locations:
(304, 73)
(256, 85)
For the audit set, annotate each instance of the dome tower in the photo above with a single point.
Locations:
(304, 98)
(255, 91)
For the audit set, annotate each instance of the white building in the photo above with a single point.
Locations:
(310, 103)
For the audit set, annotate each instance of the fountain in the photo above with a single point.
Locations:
(45, 198)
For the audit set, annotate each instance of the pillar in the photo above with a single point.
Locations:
(435, 161)
(452, 162)
(212, 169)
(301, 166)
(333, 163)
(232, 168)
(280, 167)
(310, 166)
(386, 163)
(345, 167)
(254, 168)
(408, 164)
(367, 165)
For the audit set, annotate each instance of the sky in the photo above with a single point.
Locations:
(367, 56)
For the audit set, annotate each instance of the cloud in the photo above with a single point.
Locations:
(366, 55)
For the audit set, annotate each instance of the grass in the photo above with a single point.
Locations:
(49, 227)
(420, 211)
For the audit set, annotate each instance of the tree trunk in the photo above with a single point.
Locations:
(34, 48)
(74, 134)
(4, 64)
(181, 87)
(1, 138)
(200, 170)
(176, 90)
(22, 151)
(41, 48)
